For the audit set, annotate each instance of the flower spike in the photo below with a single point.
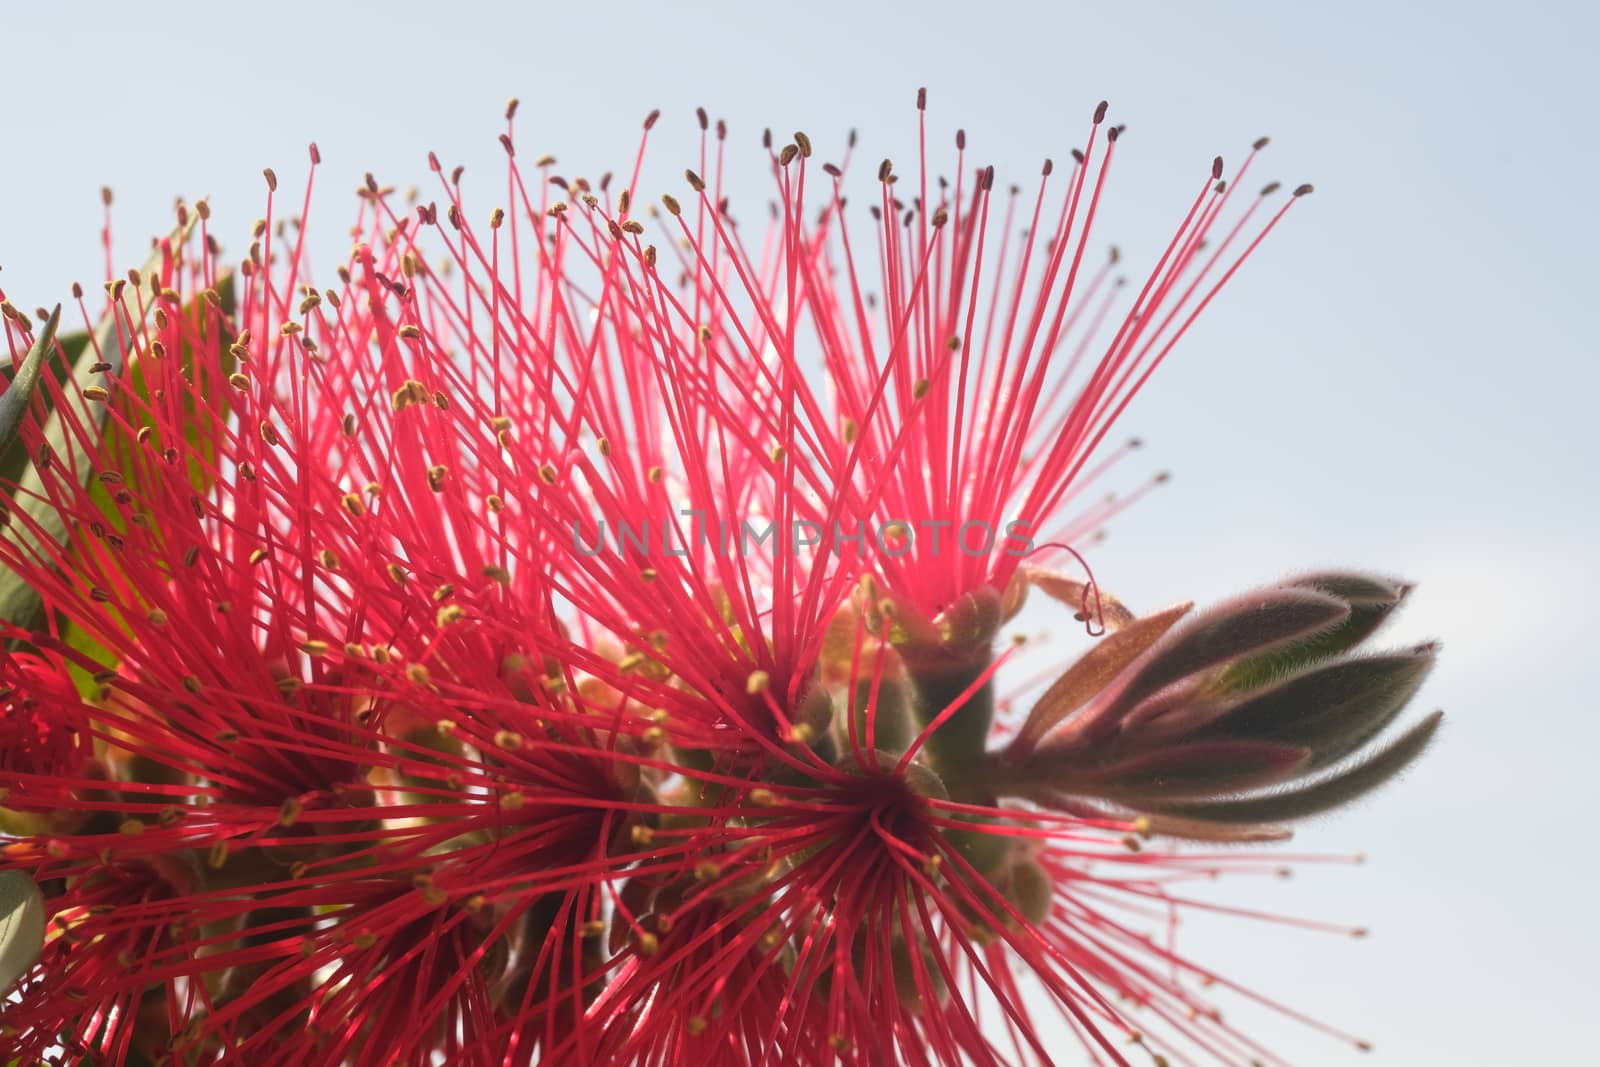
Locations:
(569, 631)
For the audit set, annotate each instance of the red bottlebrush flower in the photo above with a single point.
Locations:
(971, 374)
(341, 814)
(529, 649)
(41, 753)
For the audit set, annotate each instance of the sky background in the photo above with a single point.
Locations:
(1403, 381)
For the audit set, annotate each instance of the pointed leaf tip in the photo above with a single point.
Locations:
(1250, 625)
(1356, 587)
(1333, 708)
(1372, 600)
(1342, 788)
(14, 401)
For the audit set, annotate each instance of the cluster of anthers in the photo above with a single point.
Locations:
(549, 646)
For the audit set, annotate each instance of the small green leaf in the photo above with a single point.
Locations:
(13, 461)
(1091, 674)
(19, 603)
(1333, 709)
(1344, 787)
(1193, 770)
(14, 401)
(1247, 625)
(1372, 599)
(21, 926)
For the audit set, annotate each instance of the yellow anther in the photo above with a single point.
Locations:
(411, 392)
(422, 882)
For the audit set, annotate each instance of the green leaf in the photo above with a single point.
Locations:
(1191, 770)
(21, 927)
(14, 401)
(1260, 621)
(1372, 599)
(1249, 625)
(13, 461)
(1344, 787)
(1092, 674)
(19, 603)
(1333, 709)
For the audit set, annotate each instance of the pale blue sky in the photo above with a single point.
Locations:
(1403, 381)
